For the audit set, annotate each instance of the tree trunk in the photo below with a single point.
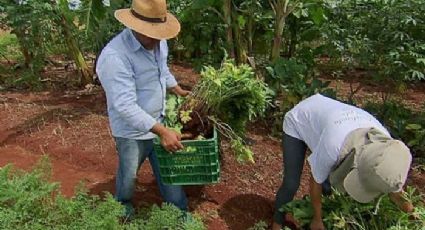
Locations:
(277, 40)
(250, 36)
(227, 13)
(28, 57)
(76, 54)
(240, 49)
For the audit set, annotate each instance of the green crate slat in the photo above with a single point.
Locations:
(198, 163)
(198, 169)
(191, 179)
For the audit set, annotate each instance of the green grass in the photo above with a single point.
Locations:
(9, 47)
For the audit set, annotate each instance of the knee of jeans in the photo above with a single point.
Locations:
(291, 185)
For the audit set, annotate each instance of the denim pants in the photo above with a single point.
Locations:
(132, 154)
(294, 151)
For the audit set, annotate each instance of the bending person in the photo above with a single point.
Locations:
(349, 147)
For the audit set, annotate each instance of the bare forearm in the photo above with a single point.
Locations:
(316, 198)
(158, 129)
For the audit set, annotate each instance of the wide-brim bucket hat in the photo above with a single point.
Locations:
(150, 18)
(374, 168)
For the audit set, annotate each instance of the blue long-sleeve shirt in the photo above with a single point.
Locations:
(135, 82)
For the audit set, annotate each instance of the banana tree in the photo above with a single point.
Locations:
(281, 9)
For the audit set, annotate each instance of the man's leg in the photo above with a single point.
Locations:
(293, 161)
(130, 158)
(170, 193)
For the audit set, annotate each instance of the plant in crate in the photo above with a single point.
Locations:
(226, 98)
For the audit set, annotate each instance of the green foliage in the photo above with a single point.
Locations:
(341, 212)
(97, 22)
(202, 35)
(261, 225)
(171, 119)
(232, 94)
(291, 82)
(33, 23)
(30, 201)
(9, 47)
(385, 37)
(166, 217)
(295, 81)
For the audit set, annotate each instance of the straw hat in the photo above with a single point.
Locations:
(150, 18)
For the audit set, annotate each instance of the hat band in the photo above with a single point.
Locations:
(147, 19)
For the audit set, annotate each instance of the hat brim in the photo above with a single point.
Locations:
(166, 30)
(354, 187)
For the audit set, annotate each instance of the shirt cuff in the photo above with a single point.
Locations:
(171, 82)
(147, 124)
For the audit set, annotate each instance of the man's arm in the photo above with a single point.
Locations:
(316, 202)
(179, 91)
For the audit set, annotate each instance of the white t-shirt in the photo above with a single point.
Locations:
(323, 123)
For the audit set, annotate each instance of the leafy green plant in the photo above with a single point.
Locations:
(383, 37)
(30, 201)
(9, 47)
(230, 97)
(232, 94)
(166, 217)
(341, 212)
(260, 225)
(292, 81)
(171, 119)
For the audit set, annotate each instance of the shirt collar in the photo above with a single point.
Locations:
(133, 42)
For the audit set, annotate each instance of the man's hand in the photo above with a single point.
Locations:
(317, 224)
(179, 91)
(170, 139)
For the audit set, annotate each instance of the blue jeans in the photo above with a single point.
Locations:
(132, 153)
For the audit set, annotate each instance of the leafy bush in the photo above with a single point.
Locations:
(341, 212)
(29, 201)
(291, 82)
(384, 37)
(9, 47)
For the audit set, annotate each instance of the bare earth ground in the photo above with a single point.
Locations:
(72, 129)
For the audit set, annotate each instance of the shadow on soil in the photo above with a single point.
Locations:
(244, 211)
(146, 193)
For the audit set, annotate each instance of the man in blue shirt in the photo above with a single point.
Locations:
(133, 71)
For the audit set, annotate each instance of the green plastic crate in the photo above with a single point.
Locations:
(198, 163)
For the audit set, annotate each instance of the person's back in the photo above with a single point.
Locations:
(323, 123)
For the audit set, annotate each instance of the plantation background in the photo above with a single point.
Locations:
(367, 52)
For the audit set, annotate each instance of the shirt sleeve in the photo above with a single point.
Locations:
(170, 79)
(117, 78)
